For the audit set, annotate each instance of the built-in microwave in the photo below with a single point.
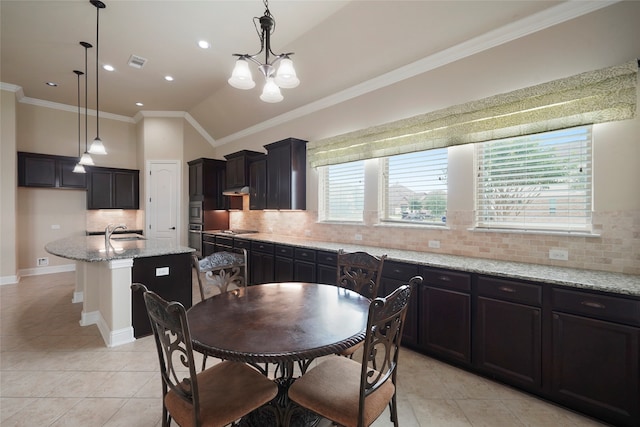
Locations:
(196, 212)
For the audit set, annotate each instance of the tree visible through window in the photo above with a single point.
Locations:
(414, 187)
(537, 182)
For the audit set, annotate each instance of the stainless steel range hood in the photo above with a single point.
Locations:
(238, 191)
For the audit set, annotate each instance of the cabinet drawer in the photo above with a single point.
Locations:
(399, 271)
(224, 241)
(262, 247)
(241, 243)
(603, 307)
(286, 251)
(509, 290)
(208, 238)
(447, 279)
(305, 254)
(327, 258)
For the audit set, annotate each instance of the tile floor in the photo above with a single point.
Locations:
(54, 372)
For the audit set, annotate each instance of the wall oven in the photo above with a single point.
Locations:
(196, 212)
(195, 238)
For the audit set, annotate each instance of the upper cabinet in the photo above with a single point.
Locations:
(207, 180)
(258, 184)
(286, 174)
(110, 188)
(238, 167)
(48, 171)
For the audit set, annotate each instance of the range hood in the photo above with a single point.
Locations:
(238, 191)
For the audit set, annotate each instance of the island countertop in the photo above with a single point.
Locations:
(603, 281)
(92, 248)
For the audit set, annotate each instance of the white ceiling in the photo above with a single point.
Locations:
(337, 45)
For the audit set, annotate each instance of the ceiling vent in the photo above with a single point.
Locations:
(137, 61)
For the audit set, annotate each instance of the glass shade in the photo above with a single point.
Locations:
(97, 147)
(79, 168)
(271, 92)
(241, 77)
(86, 160)
(286, 76)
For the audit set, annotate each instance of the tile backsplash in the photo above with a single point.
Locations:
(614, 248)
(97, 220)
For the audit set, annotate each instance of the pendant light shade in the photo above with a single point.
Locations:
(97, 147)
(86, 159)
(78, 168)
(271, 92)
(286, 76)
(241, 77)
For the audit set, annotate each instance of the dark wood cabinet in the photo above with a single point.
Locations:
(48, 171)
(223, 243)
(258, 184)
(327, 267)
(208, 244)
(395, 274)
(286, 174)
(174, 286)
(304, 267)
(445, 315)
(283, 263)
(508, 331)
(207, 181)
(262, 262)
(596, 355)
(109, 188)
(238, 167)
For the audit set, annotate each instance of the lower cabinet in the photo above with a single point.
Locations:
(262, 262)
(445, 315)
(596, 355)
(208, 244)
(327, 267)
(283, 263)
(395, 274)
(508, 331)
(304, 267)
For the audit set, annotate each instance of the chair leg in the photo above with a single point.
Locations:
(204, 362)
(393, 409)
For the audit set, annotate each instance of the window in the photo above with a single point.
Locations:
(342, 192)
(414, 187)
(535, 182)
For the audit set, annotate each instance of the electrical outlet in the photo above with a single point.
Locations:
(307, 233)
(42, 262)
(435, 244)
(559, 254)
(358, 237)
(55, 226)
(162, 271)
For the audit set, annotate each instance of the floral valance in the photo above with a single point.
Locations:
(597, 96)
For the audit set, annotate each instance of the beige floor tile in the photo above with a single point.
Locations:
(488, 413)
(90, 412)
(41, 412)
(137, 413)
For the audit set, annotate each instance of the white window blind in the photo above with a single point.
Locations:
(414, 187)
(536, 182)
(342, 192)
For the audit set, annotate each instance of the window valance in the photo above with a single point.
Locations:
(597, 96)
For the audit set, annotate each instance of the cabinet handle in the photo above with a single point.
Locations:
(507, 289)
(444, 279)
(593, 304)
(303, 254)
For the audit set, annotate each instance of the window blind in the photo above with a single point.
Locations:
(593, 97)
(342, 192)
(536, 182)
(414, 187)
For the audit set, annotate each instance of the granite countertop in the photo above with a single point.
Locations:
(578, 278)
(92, 248)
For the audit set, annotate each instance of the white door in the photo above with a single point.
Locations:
(163, 215)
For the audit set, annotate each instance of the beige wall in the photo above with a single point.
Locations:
(8, 241)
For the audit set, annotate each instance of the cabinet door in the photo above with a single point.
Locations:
(276, 169)
(100, 194)
(508, 342)
(258, 185)
(304, 271)
(595, 367)
(410, 331)
(36, 171)
(125, 190)
(195, 180)
(262, 267)
(445, 323)
(283, 269)
(67, 178)
(235, 172)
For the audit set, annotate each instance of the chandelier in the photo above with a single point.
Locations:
(285, 77)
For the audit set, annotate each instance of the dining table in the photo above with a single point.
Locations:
(288, 324)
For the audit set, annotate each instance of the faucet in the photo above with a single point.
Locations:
(108, 231)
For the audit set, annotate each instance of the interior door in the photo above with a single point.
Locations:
(163, 215)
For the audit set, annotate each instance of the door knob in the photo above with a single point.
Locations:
(172, 228)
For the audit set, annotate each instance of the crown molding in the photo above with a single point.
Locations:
(72, 109)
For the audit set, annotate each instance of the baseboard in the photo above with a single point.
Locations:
(47, 270)
(9, 280)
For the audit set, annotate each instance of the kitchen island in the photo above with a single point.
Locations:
(105, 271)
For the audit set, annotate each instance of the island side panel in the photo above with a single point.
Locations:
(169, 276)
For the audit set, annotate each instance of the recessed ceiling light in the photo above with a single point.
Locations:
(204, 44)
(52, 84)
(168, 78)
(139, 104)
(108, 67)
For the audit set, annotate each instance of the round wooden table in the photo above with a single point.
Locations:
(279, 323)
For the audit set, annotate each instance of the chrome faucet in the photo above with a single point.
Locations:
(108, 231)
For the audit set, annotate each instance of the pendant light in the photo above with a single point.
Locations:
(78, 168)
(285, 77)
(97, 147)
(86, 158)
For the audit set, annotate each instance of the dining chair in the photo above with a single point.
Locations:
(359, 272)
(214, 397)
(221, 270)
(354, 394)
